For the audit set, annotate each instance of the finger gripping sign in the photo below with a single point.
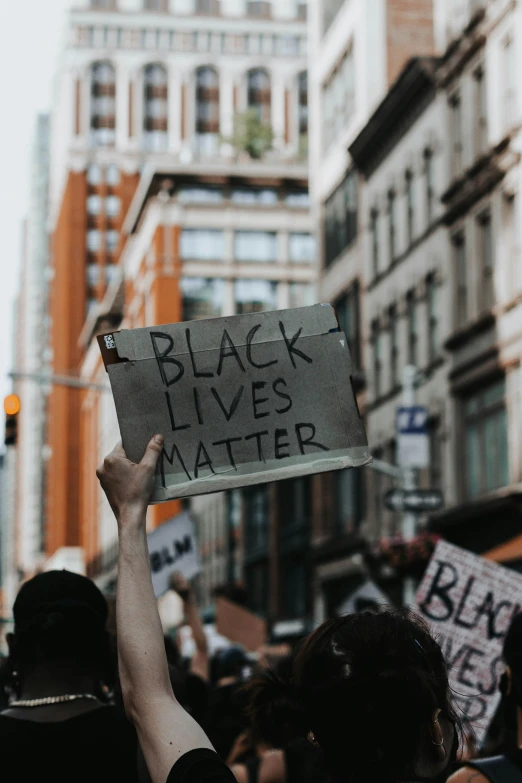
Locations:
(240, 400)
(173, 548)
(469, 603)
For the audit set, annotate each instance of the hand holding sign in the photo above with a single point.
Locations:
(129, 487)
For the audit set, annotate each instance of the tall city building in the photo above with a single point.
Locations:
(179, 189)
(358, 48)
(25, 536)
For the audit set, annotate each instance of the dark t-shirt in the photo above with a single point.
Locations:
(200, 766)
(96, 747)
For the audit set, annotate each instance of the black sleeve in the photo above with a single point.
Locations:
(200, 766)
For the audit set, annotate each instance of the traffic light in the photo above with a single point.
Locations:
(12, 409)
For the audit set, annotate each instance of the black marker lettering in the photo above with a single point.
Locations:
(183, 547)
(457, 619)
(198, 407)
(290, 343)
(250, 337)
(163, 359)
(167, 557)
(207, 462)
(197, 374)
(309, 441)
(228, 443)
(155, 562)
(235, 402)
(468, 665)
(282, 395)
(441, 591)
(171, 414)
(170, 460)
(258, 436)
(257, 386)
(226, 352)
(278, 445)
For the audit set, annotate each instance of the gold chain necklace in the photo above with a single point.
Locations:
(53, 700)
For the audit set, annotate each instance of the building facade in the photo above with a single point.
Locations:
(31, 360)
(358, 49)
(179, 182)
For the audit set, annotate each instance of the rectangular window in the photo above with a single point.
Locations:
(509, 80)
(374, 230)
(258, 9)
(208, 7)
(347, 308)
(301, 295)
(485, 244)
(202, 298)
(377, 359)
(394, 346)
(255, 296)
(202, 244)
(481, 112)
(486, 442)
(411, 315)
(456, 134)
(200, 194)
(392, 225)
(461, 279)
(429, 185)
(338, 95)
(112, 240)
(409, 206)
(302, 248)
(340, 218)
(298, 198)
(432, 296)
(254, 196)
(435, 469)
(255, 246)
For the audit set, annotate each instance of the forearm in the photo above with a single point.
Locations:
(141, 650)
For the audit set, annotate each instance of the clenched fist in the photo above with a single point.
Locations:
(128, 486)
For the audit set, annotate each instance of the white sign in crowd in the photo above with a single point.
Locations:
(173, 547)
(469, 603)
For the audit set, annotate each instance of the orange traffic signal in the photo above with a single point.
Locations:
(12, 409)
(12, 405)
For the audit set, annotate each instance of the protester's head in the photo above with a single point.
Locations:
(60, 618)
(232, 663)
(372, 691)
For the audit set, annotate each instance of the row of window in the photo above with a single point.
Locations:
(255, 9)
(96, 240)
(200, 41)
(110, 206)
(413, 354)
(463, 267)
(205, 297)
(156, 96)
(244, 196)
(249, 246)
(411, 220)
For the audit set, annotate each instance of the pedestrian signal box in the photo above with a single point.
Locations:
(12, 410)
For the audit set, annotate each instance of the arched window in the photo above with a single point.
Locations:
(155, 111)
(302, 92)
(103, 104)
(259, 94)
(207, 110)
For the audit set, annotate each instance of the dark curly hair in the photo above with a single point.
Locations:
(367, 686)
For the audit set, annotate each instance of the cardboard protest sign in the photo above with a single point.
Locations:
(173, 547)
(469, 603)
(240, 400)
(240, 625)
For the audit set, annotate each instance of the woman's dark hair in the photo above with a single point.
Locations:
(367, 686)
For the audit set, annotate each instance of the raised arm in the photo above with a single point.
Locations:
(199, 664)
(165, 730)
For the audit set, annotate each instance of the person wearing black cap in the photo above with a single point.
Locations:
(59, 725)
(508, 768)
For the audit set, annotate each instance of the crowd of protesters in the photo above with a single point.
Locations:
(365, 698)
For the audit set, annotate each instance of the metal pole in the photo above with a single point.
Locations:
(409, 481)
(59, 380)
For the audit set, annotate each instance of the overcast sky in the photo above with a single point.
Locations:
(32, 35)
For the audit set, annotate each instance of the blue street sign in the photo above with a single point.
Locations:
(412, 437)
(412, 421)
